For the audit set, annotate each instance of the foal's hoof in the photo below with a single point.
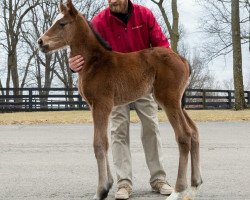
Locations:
(178, 195)
(188, 194)
(103, 195)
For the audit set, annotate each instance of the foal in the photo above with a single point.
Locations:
(110, 78)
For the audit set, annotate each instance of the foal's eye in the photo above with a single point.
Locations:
(62, 25)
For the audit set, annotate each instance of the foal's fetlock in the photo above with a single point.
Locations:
(196, 179)
(196, 183)
(181, 188)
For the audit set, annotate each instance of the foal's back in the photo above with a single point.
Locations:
(158, 70)
(127, 77)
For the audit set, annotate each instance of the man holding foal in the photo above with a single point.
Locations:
(129, 27)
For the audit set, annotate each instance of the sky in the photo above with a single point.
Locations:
(222, 68)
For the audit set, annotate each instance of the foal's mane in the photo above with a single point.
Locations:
(99, 38)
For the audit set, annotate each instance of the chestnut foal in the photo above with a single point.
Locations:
(110, 78)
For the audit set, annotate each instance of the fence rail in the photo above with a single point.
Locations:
(35, 99)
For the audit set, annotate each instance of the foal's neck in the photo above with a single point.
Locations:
(85, 42)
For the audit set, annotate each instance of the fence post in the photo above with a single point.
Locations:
(229, 99)
(30, 99)
(79, 101)
(248, 98)
(183, 100)
(204, 99)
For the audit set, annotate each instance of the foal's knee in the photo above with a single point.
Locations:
(195, 137)
(184, 142)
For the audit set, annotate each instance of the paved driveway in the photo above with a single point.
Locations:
(57, 162)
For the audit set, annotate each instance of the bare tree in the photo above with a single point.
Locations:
(216, 24)
(61, 69)
(200, 76)
(227, 30)
(173, 28)
(91, 7)
(48, 66)
(43, 65)
(228, 84)
(21, 24)
(14, 13)
(237, 56)
(246, 31)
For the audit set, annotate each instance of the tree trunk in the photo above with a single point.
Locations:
(12, 64)
(174, 28)
(1, 87)
(237, 56)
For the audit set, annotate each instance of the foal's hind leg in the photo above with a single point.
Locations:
(192, 144)
(100, 118)
(183, 138)
(196, 179)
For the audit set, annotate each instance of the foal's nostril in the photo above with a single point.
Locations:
(40, 41)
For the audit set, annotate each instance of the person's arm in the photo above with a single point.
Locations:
(157, 38)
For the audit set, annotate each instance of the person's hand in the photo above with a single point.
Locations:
(76, 63)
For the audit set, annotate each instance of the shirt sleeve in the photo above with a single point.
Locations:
(157, 38)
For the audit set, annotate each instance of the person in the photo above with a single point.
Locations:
(129, 27)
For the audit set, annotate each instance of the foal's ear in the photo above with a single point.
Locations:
(62, 7)
(72, 10)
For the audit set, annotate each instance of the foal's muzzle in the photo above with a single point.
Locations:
(43, 47)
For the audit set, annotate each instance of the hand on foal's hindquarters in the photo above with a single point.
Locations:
(76, 63)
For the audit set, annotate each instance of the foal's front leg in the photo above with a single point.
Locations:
(100, 118)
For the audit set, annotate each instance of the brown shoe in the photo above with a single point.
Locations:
(161, 187)
(124, 192)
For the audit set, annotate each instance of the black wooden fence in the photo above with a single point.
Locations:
(34, 99)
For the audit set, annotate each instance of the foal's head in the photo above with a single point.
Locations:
(61, 33)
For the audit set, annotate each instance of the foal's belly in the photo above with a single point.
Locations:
(125, 95)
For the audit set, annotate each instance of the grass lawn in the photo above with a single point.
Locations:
(78, 117)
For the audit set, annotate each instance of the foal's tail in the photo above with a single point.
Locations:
(183, 99)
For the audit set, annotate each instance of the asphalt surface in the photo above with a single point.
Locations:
(42, 162)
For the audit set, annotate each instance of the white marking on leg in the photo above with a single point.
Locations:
(174, 195)
(177, 195)
(191, 193)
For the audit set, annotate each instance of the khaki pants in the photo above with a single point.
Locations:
(146, 109)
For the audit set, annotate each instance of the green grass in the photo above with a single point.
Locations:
(79, 117)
